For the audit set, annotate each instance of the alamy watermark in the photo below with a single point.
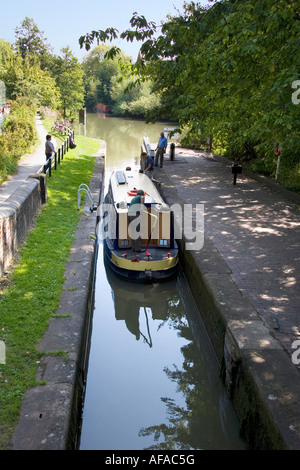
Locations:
(2, 93)
(188, 224)
(296, 94)
(296, 353)
(2, 102)
(2, 352)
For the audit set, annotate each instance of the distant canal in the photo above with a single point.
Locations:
(153, 380)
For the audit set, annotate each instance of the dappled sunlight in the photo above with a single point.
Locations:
(296, 330)
(264, 343)
(192, 180)
(257, 358)
(275, 229)
(271, 298)
(290, 282)
(277, 310)
(257, 232)
(252, 334)
(265, 230)
(29, 296)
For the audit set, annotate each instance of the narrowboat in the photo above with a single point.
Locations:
(158, 259)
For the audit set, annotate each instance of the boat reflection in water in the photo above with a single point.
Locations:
(187, 405)
(152, 302)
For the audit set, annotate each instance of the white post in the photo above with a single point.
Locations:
(278, 153)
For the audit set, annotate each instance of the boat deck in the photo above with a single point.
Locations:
(124, 182)
(160, 260)
(152, 254)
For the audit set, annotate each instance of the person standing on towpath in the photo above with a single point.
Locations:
(161, 150)
(49, 147)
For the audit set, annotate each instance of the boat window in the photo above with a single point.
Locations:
(120, 177)
(163, 242)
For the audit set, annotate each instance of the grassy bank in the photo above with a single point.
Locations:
(30, 294)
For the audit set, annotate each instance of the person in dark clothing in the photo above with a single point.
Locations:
(149, 167)
(49, 147)
(161, 150)
(149, 164)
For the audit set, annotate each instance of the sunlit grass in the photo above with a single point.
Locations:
(27, 305)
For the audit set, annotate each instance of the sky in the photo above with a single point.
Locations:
(64, 21)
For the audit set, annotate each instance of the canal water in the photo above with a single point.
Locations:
(153, 380)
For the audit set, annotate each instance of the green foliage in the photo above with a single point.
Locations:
(290, 177)
(29, 39)
(33, 72)
(100, 73)
(226, 71)
(131, 99)
(31, 44)
(37, 85)
(192, 140)
(10, 68)
(108, 34)
(108, 81)
(25, 78)
(69, 79)
(6, 56)
(18, 136)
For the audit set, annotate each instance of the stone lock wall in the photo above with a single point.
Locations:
(17, 214)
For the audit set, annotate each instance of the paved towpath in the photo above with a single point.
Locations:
(28, 165)
(255, 229)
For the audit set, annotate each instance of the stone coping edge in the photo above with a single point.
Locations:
(50, 414)
(259, 376)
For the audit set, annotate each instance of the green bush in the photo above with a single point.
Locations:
(192, 140)
(17, 138)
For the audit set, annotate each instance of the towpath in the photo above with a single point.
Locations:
(255, 228)
(28, 164)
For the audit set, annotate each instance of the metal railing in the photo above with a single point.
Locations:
(58, 155)
(86, 189)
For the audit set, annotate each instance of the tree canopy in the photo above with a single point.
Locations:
(30, 42)
(25, 78)
(69, 79)
(225, 71)
(104, 83)
(29, 39)
(29, 69)
(98, 76)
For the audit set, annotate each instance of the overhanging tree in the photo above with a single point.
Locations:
(225, 71)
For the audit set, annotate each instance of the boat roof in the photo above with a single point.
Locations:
(123, 182)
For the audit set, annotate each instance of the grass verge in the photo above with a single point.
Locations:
(35, 284)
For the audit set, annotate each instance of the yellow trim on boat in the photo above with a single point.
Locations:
(158, 265)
